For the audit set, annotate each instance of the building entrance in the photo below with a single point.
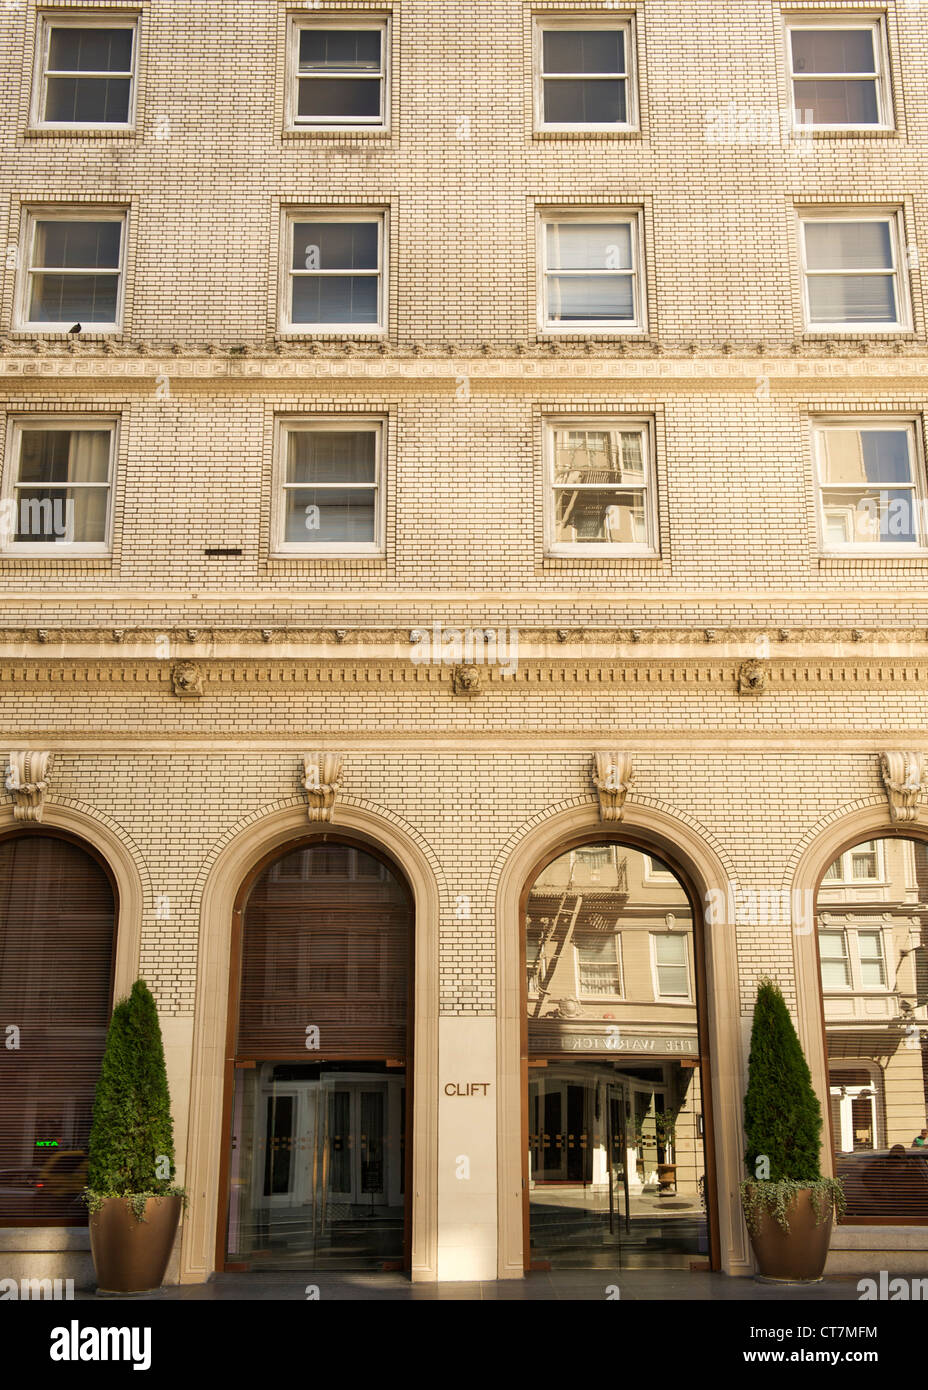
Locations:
(316, 1093)
(617, 1112)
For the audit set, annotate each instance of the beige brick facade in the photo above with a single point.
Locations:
(641, 654)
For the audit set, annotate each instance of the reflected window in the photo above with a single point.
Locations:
(671, 965)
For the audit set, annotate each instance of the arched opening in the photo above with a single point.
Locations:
(57, 937)
(317, 1168)
(872, 935)
(617, 1106)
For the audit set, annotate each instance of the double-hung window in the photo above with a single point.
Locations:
(336, 269)
(598, 965)
(591, 272)
(852, 273)
(600, 489)
(329, 496)
(838, 74)
(57, 493)
(852, 959)
(339, 75)
(871, 489)
(583, 75)
(73, 271)
(86, 73)
(670, 960)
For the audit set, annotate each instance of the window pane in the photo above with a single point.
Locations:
(343, 515)
(335, 245)
(90, 100)
(848, 245)
(570, 101)
(589, 246)
(865, 456)
(337, 98)
(598, 456)
(833, 50)
(583, 50)
(64, 456)
(868, 517)
(90, 298)
(77, 245)
(864, 861)
(837, 103)
(852, 299)
(609, 299)
(670, 949)
(63, 515)
(90, 50)
(836, 974)
(332, 456)
(335, 299)
(339, 48)
(594, 515)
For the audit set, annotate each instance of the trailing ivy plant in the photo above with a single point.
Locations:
(131, 1151)
(782, 1121)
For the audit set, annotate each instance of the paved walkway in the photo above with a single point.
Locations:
(587, 1285)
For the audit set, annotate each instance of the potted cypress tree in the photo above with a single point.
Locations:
(133, 1202)
(788, 1205)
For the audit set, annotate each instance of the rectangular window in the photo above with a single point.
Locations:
(330, 490)
(862, 864)
(851, 273)
(836, 967)
(671, 965)
(335, 278)
(598, 971)
(86, 73)
(339, 74)
(583, 75)
(73, 272)
(600, 494)
(58, 488)
(838, 74)
(871, 494)
(591, 274)
(872, 965)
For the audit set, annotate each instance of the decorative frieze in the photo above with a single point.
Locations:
(26, 781)
(904, 780)
(612, 777)
(321, 782)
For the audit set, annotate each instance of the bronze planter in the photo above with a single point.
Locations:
(798, 1254)
(131, 1256)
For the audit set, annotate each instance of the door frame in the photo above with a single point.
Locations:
(239, 1061)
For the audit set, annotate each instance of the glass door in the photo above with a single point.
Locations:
(317, 1175)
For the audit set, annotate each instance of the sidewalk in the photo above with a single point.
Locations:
(586, 1285)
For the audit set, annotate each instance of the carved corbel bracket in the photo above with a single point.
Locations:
(26, 781)
(321, 774)
(752, 678)
(612, 777)
(904, 780)
(187, 680)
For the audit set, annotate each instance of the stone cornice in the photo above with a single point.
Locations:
(555, 366)
(217, 677)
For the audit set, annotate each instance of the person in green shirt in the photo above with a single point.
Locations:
(921, 1140)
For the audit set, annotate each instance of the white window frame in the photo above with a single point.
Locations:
(349, 21)
(877, 25)
(287, 424)
(290, 218)
(879, 549)
(91, 19)
(843, 881)
(892, 216)
(616, 938)
(851, 936)
(635, 219)
(31, 218)
(655, 875)
(624, 22)
(597, 549)
(50, 550)
(655, 974)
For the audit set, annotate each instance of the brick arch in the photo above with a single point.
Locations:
(240, 849)
(833, 818)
